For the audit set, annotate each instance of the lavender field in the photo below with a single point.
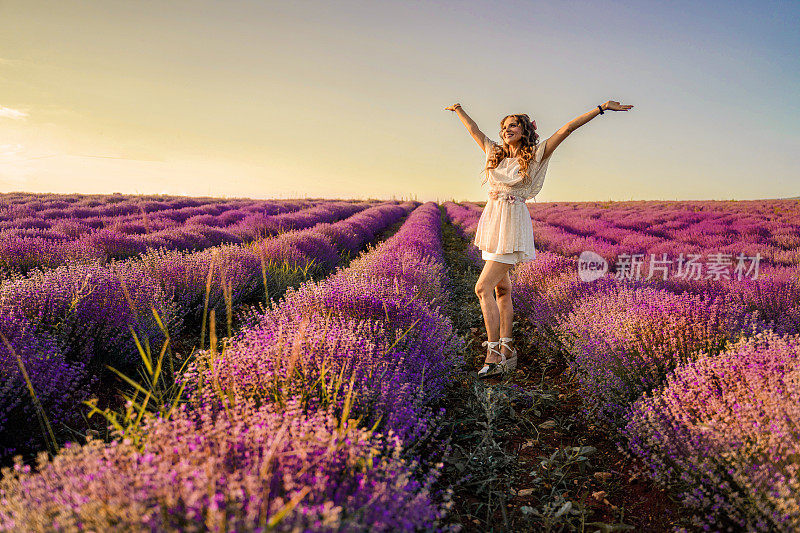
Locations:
(194, 364)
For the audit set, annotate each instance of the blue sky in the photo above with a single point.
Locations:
(345, 99)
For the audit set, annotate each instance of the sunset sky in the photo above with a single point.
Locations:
(342, 99)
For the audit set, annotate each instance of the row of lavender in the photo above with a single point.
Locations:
(778, 219)
(20, 210)
(693, 226)
(569, 229)
(703, 385)
(69, 322)
(274, 435)
(49, 243)
(133, 216)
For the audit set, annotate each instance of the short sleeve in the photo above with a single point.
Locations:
(487, 146)
(540, 148)
(539, 169)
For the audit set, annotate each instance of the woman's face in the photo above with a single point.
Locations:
(511, 131)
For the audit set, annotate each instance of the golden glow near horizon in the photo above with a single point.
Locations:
(345, 100)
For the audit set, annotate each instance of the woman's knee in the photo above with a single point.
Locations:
(482, 289)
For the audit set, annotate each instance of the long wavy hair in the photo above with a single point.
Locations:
(527, 148)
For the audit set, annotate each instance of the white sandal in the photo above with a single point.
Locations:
(511, 362)
(495, 369)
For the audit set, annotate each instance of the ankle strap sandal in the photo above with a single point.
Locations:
(504, 341)
(492, 346)
(494, 369)
(512, 361)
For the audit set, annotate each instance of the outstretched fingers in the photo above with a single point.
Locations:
(613, 105)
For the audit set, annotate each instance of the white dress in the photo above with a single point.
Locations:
(505, 229)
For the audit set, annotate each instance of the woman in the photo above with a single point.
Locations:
(515, 171)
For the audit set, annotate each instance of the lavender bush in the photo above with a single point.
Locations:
(59, 386)
(724, 430)
(624, 341)
(248, 469)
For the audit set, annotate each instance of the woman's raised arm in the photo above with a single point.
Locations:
(576, 123)
(472, 127)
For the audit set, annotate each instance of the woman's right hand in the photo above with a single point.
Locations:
(452, 107)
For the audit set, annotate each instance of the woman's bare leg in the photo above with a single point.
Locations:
(492, 273)
(503, 294)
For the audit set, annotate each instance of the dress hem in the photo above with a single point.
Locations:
(511, 258)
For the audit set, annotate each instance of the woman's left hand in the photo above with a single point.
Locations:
(616, 106)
